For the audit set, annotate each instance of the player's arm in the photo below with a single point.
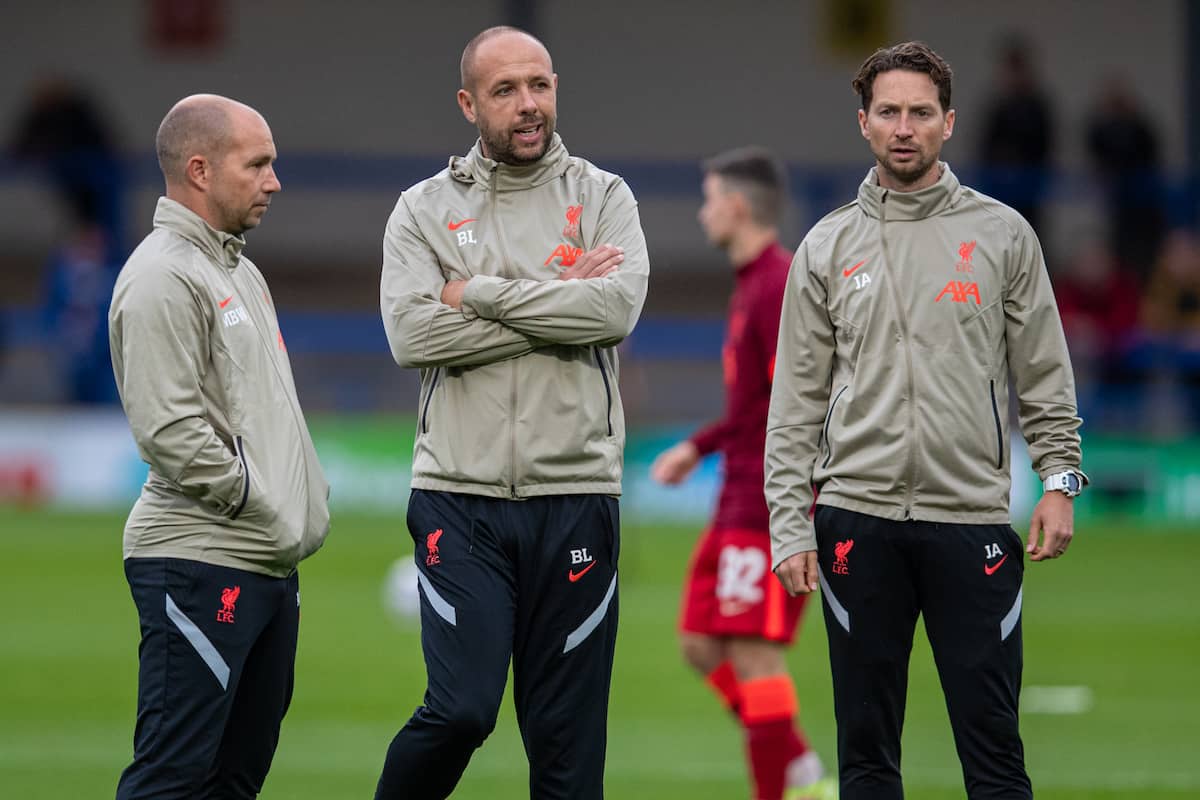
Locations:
(592, 311)
(676, 463)
(422, 330)
(799, 401)
(159, 332)
(1045, 386)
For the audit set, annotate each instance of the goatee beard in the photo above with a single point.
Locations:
(504, 151)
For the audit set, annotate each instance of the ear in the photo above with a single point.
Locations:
(467, 103)
(741, 205)
(949, 129)
(862, 124)
(198, 172)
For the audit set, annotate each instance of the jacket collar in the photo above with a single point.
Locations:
(475, 167)
(909, 206)
(222, 248)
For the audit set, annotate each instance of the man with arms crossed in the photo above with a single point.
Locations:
(737, 619)
(508, 279)
(904, 315)
(235, 497)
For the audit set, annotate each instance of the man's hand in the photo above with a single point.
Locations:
(674, 465)
(596, 263)
(1054, 521)
(452, 293)
(798, 573)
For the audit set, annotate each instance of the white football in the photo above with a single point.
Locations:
(401, 599)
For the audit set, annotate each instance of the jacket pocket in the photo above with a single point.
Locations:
(240, 446)
(437, 373)
(607, 389)
(999, 429)
(259, 505)
(828, 420)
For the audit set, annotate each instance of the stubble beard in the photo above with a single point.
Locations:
(501, 148)
(238, 221)
(908, 174)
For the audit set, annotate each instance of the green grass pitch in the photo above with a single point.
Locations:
(1119, 616)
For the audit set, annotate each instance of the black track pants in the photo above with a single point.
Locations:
(215, 676)
(534, 582)
(877, 576)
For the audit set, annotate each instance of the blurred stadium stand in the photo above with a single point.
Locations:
(671, 363)
(361, 105)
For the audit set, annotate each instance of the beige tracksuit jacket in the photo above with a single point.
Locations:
(519, 390)
(905, 314)
(206, 383)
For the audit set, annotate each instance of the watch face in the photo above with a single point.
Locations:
(1073, 483)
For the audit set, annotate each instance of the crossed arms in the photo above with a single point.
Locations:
(433, 322)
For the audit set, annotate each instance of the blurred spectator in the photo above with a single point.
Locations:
(62, 130)
(1018, 137)
(1124, 150)
(79, 284)
(1098, 301)
(1170, 317)
(1171, 308)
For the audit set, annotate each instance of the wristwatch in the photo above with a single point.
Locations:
(1069, 483)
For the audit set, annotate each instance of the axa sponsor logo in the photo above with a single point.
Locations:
(841, 557)
(229, 598)
(960, 292)
(566, 255)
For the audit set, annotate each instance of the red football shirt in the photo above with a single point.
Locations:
(748, 358)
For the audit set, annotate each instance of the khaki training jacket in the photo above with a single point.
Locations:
(518, 389)
(903, 317)
(207, 386)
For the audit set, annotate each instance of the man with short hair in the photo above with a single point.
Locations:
(737, 619)
(905, 313)
(235, 498)
(508, 279)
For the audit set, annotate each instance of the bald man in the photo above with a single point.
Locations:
(235, 497)
(508, 280)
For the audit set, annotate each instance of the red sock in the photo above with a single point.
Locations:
(769, 715)
(723, 680)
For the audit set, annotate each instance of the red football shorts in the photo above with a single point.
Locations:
(731, 591)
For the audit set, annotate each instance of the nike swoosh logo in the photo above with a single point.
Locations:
(224, 302)
(573, 576)
(846, 273)
(989, 570)
(456, 225)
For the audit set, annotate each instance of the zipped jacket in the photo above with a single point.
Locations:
(904, 315)
(519, 390)
(205, 380)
